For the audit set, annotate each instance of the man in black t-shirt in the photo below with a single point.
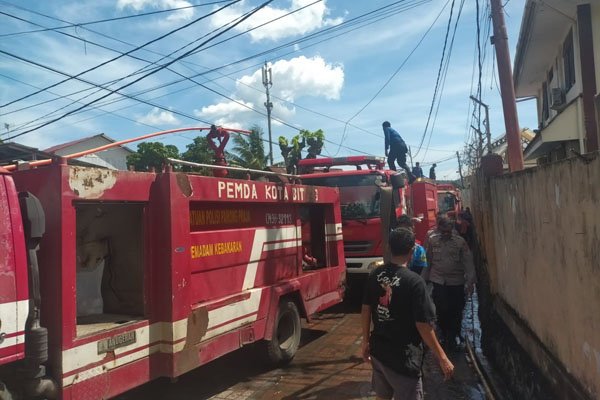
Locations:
(402, 312)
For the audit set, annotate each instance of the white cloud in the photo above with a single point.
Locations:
(299, 23)
(298, 77)
(225, 108)
(180, 15)
(158, 117)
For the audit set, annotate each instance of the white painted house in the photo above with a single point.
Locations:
(114, 158)
(558, 63)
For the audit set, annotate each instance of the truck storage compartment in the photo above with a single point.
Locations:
(313, 236)
(110, 265)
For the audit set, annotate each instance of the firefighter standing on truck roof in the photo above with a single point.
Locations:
(452, 274)
(395, 149)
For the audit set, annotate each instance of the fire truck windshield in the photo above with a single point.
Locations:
(446, 202)
(359, 195)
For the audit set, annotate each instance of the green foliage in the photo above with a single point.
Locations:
(293, 153)
(249, 150)
(199, 152)
(315, 141)
(151, 155)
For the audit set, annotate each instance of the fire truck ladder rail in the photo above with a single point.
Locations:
(248, 170)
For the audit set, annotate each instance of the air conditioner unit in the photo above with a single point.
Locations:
(557, 98)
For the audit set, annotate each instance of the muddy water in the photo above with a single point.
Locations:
(465, 384)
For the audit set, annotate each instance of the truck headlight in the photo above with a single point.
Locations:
(375, 264)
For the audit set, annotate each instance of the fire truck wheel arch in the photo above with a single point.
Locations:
(285, 340)
(289, 290)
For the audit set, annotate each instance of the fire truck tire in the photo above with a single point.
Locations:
(285, 341)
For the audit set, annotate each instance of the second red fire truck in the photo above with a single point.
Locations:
(359, 179)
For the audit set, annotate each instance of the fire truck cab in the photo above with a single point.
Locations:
(449, 199)
(359, 179)
(146, 275)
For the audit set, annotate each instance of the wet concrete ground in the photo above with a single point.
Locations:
(327, 366)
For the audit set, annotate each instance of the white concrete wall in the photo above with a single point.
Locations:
(544, 258)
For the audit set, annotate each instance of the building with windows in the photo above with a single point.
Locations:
(558, 64)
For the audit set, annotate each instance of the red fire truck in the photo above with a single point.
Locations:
(146, 275)
(359, 179)
(449, 200)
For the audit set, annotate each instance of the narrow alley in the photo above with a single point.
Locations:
(327, 366)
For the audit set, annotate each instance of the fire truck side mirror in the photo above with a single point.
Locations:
(397, 181)
(34, 219)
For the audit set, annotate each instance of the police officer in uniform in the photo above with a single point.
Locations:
(452, 274)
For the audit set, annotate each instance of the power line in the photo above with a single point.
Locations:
(129, 55)
(221, 94)
(210, 123)
(102, 87)
(473, 142)
(139, 71)
(111, 112)
(437, 81)
(147, 74)
(393, 75)
(272, 116)
(75, 101)
(256, 55)
(126, 53)
(288, 44)
(82, 24)
(387, 82)
(480, 63)
(443, 160)
(445, 75)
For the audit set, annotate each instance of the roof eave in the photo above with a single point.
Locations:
(524, 39)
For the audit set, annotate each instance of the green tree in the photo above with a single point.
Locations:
(249, 150)
(199, 152)
(151, 155)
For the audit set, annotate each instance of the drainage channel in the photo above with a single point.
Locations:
(491, 383)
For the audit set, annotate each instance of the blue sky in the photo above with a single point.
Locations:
(316, 85)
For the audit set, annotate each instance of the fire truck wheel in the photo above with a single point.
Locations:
(285, 341)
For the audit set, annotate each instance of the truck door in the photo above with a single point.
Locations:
(12, 268)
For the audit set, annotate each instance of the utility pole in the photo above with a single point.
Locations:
(507, 88)
(488, 134)
(479, 142)
(462, 182)
(267, 78)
